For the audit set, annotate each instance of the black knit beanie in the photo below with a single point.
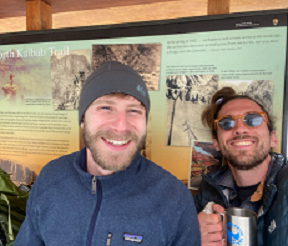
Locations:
(113, 77)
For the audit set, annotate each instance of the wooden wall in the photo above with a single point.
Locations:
(154, 11)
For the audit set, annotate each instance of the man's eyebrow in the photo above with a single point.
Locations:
(245, 113)
(105, 101)
(252, 112)
(112, 102)
(137, 106)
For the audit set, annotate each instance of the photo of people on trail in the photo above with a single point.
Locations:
(186, 97)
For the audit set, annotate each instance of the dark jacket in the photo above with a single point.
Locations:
(272, 218)
(69, 207)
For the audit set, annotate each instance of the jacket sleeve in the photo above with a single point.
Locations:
(275, 221)
(29, 233)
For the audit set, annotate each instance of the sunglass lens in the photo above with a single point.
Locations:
(253, 120)
(226, 123)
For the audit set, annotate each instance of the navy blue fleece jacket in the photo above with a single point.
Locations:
(144, 201)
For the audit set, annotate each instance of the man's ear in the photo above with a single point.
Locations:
(215, 144)
(273, 139)
(82, 124)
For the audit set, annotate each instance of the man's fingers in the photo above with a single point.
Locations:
(209, 218)
(212, 237)
(219, 243)
(217, 208)
(204, 228)
(211, 228)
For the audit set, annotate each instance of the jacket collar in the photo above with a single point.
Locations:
(221, 179)
(271, 186)
(119, 180)
(223, 176)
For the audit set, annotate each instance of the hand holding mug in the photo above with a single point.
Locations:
(211, 226)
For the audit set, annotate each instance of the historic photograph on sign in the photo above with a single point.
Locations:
(259, 90)
(68, 74)
(204, 158)
(186, 98)
(144, 58)
(23, 80)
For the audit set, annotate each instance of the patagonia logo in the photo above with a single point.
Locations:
(234, 234)
(140, 89)
(132, 238)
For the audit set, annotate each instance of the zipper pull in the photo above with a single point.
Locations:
(94, 183)
(108, 242)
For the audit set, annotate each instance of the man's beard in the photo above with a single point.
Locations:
(108, 159)
(243, 161)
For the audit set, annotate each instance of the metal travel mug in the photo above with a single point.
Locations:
(240, 227)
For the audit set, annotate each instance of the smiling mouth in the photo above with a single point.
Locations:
(243, 143)
(117, 142)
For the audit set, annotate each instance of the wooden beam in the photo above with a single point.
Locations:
(38, 15)
(218, 7)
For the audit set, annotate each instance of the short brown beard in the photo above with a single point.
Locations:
(255, 160)
(99, 158)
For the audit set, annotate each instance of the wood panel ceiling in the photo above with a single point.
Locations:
(15, 8)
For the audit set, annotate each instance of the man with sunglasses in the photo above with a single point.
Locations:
(254, 178)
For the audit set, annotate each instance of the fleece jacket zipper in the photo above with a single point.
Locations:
(96, 185)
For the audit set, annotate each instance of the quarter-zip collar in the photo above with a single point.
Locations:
(119, 180)
(106, 185)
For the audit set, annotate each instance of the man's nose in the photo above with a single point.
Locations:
(120, 122)
(240, 128)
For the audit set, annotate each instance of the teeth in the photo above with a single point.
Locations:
(243, 143)
(117, 143)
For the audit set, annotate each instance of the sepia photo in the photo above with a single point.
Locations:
(186, 98)
(259, 90)
(143, 58)
(68, 74)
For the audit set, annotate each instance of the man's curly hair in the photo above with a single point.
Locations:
(219, 99)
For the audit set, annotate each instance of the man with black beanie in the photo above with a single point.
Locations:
(107, 193)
